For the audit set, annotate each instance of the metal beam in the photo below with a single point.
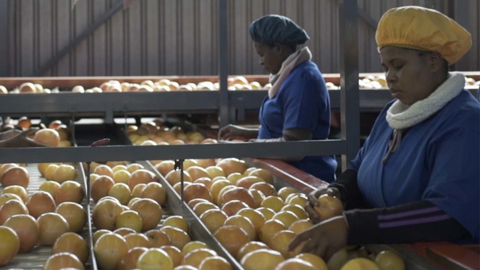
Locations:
(165, 152)
(349, 95)
(224, 112)
(362, 14)
(367, 19)
(74, 43)
(4, 28)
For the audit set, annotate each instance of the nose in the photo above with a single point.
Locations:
(391, 76)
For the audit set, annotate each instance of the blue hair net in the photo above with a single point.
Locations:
(277, 29)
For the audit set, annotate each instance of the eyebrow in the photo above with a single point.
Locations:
(391, 60)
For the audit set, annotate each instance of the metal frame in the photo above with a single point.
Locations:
(164, 152)
(119, 104)
(224, 108)
(144, 103)
(349, 93)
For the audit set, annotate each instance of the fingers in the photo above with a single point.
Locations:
(329, 253)
(313, 196)
(334, 192)
(321, 249)
(306, 235)
(314, 216)
(310, 246)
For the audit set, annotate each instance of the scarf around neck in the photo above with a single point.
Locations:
(295, 59)
(401, 116)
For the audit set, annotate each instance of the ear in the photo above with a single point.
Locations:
(277, 48)
(435, 62)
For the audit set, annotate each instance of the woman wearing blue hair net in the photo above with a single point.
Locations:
(297, 106)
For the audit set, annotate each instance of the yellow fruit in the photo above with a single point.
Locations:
(286, 217)
(300, 226)
(280, 242)
(295, 264)
(154, 259)
(388, 260)
(297, 210)
(177, 222)
(274, 203)
(267, 212)
(9, 244)
(256, 217)
(122, 176)
(129, 219)
(121, 192)
(136, 240)
(249, 247)
(193, 246)
(285, 191)
(360, 264)
(316, 261)
(109, 250)
(268, 230)
(262, 259)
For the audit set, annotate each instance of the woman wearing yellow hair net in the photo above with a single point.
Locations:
(417, 177)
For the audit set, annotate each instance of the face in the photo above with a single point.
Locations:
(271, 57)
(411, 75)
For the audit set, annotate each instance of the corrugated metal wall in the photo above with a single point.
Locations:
(179, 37)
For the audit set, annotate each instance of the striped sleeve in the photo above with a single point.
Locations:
(414, 222)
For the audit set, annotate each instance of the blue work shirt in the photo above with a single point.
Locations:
(301, 102)
(437, 161)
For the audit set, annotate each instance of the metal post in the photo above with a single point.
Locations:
(224, 112)
(4, 28)
(462, 17)
(349, 93)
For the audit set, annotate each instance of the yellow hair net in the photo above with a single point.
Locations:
(424, 29)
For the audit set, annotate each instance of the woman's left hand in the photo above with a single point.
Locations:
(324, 239)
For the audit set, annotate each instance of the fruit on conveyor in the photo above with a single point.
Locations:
(39, 220)
(9, 244)
(251, 219)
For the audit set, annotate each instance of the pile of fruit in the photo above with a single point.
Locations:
(250, 218)
(50, 214)
(28, 88)
(56, 135)
(153, 133)
(379, 82)
(165, 85)
(126, 217)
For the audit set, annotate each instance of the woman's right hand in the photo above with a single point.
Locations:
(232, 132)
(313, 201)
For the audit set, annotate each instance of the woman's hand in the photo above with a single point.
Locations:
(324, 239)
(232, 132)
(313, 201)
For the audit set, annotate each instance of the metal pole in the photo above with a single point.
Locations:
(223, 62)
(349, 93)
(4, 28)
(462, 16)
